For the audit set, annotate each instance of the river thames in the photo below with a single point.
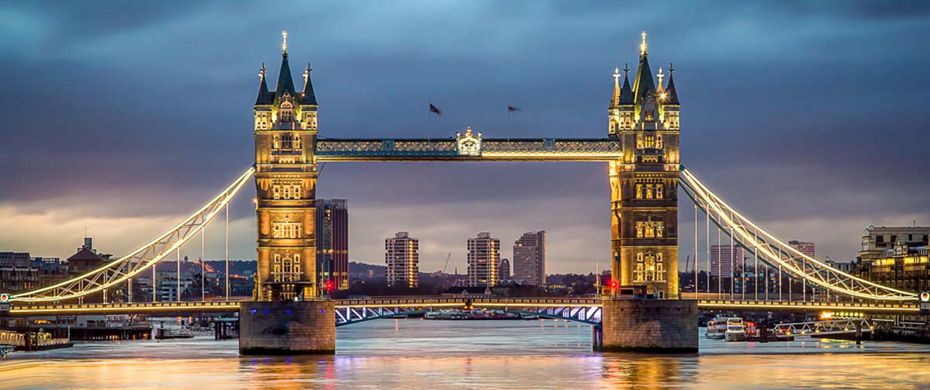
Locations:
(399, 354)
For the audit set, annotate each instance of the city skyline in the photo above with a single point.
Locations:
(151, 189)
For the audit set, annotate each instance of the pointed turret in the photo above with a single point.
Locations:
(644, 83)
(615, 98)
(307, 97)
(285, 83)
(626, 92)
(671, 95)
(264, 97)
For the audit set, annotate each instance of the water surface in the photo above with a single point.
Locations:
(423, 354)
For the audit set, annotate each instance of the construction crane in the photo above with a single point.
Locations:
(447, 262)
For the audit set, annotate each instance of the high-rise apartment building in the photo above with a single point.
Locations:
(332, 243)
(720, 260)
(402, 256)
(483, 258)
(529, 258)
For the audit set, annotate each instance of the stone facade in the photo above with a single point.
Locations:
(644, 119)
(649, 325)
(287, 328)
(285, 129)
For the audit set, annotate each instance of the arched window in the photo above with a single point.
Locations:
(650, 267)
(660, 268)
(286, 112)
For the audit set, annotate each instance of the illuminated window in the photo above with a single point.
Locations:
(286, 230)
(660, 191)
(276, 141)
(638, 269)
(286, 113)
(639, 141)
(639, 191)
(660, 268)
(658, 141)
(648, 191)
(650, 229)
(286, 191)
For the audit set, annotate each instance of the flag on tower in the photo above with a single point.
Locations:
(434, 110)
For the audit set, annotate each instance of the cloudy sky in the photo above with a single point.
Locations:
(121, 118)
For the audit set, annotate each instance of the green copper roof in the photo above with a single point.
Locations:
(264, 97)
(285, 83)
(644, 83)
(626, 93)
(308, 97)
(671, 96)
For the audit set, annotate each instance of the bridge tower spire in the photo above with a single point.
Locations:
(644, 184)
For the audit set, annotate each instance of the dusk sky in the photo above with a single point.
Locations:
(121, 118)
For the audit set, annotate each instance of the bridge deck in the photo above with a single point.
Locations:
(458, 302)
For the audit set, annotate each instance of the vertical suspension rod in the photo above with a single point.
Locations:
(227, 251)
(203, 278)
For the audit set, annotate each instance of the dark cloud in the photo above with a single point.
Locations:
(790, 109)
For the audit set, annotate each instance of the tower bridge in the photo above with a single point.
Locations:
(287, 312)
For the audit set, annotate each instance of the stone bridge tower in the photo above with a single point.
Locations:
(644, 182)
(285, 180)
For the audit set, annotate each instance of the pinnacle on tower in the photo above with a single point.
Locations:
(644, 83)
(626, 93)
(615, 98)
(660, 76)
(671, 94)
(285, 83)
(264, 97)
(308, 97)
(284, 42)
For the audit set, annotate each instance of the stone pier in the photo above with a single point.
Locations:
(649, 325)
(287, 328)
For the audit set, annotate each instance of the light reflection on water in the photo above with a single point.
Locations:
(469, 354)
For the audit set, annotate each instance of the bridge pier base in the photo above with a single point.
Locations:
(287, 328)
(649, 325)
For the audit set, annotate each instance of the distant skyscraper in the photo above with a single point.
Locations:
(402, 256)
(529, 258)
(720, 260)
(483, 258)
(332, 243)
(806, 248)
(503, 271)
